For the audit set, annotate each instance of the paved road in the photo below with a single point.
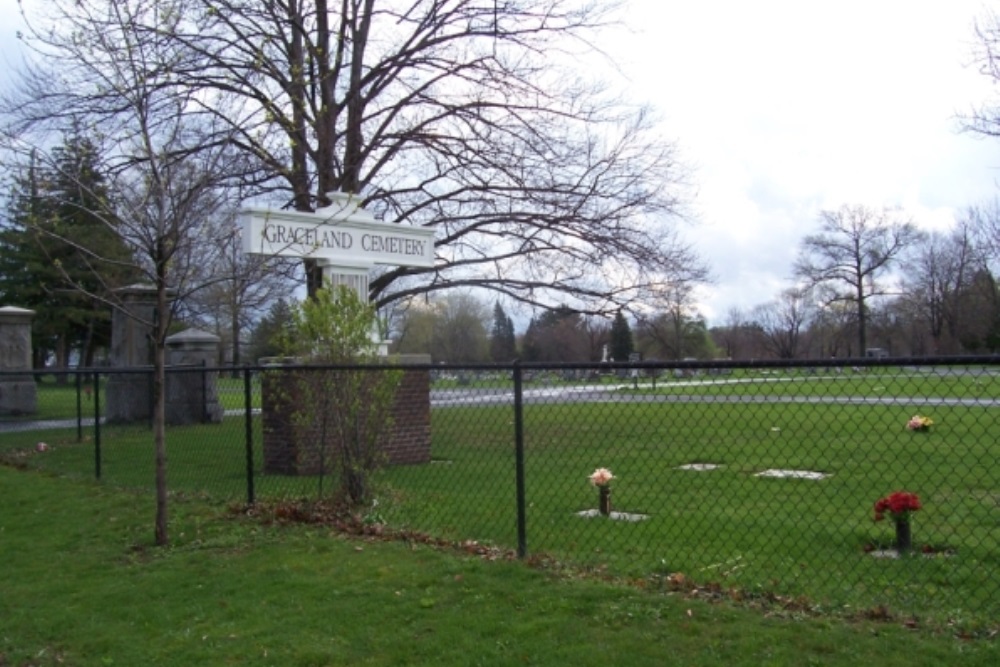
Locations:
(619, 394)
(41, 425)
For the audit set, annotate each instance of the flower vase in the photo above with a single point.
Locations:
(902, 535)
(604, 505)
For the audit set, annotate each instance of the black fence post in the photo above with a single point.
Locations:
(204, 391)
(79, 407)
(97, 425)
(522, 539)
(248, 437)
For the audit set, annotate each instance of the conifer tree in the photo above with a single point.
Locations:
(622, 344)
(60, 255)
(503, 344)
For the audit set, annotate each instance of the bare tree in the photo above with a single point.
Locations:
(453, 327)
(981, 224)
(854, 250)
(164, 171)
(461, 328)
(238, 287)
(464, 116)
(985, 120)
(781, 322)
(940, 271)
(673, 322)
(732, 337)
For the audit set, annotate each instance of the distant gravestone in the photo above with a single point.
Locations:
(18, 394)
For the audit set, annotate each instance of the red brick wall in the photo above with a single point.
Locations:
(410, 439)
(293, 449)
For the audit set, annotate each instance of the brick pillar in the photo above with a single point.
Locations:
(292, 449)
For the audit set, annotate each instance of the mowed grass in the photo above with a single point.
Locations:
(794, 539)
(65, 401)
(885, 383)
(83, 586)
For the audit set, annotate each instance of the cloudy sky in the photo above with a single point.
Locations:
(790, 107)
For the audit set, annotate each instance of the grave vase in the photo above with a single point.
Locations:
(604, 500)
(903, 542)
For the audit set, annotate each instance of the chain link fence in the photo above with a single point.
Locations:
(745, 480)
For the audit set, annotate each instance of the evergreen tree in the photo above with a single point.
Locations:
(57, 250)
(24, 273)
(503, 344)
(622, 344)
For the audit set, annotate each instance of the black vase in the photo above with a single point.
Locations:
(902, 535)
(604, 506)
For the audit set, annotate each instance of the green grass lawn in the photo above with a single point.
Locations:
(877, 382)
(66, 402)
(797, 539)
(727, 526)
(83, 586)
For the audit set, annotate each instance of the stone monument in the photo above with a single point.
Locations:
(17, 384)
(192, 392)
(130, 393)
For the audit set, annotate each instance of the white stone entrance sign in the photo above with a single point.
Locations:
(346, 240)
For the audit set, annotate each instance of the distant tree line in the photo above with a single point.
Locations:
(871, 281)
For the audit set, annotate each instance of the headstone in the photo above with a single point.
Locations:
(192, 392)
(18, 394)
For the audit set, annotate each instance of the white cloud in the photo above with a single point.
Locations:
(792, 107)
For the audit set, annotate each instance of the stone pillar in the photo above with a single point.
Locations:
(192, 392)
(17, 384)
(129, 396)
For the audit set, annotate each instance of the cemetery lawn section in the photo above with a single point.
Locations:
(800, 538)
(83, 585)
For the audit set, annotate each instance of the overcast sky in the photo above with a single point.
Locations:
(789, 107)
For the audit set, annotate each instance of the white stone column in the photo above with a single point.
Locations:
(356, 278)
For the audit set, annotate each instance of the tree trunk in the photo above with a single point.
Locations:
(62, 359)
(862, 322)
(159, 408)
(235, 332)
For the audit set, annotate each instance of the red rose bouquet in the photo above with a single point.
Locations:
(898, 504)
